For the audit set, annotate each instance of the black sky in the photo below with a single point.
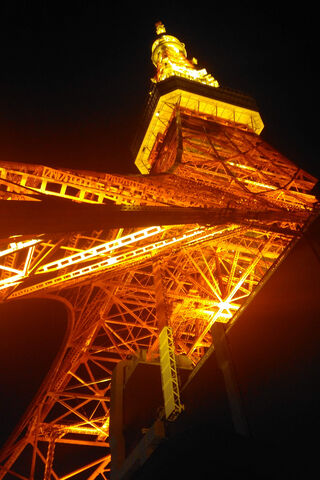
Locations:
(74, 80)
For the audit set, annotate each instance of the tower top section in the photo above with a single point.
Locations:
(169, 56)
(178, 85)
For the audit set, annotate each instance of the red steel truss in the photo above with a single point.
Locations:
(122, 283)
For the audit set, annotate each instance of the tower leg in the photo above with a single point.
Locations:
(225, 363)
(117, 441)
(50, 457)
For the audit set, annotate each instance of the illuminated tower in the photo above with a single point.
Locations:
(182, 245)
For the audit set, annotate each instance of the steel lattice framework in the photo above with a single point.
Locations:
(241, 205)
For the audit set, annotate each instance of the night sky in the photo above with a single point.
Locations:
(74, 80)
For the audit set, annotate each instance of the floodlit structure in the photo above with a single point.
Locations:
(183, 246)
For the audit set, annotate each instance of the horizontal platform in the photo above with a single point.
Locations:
(218, 102)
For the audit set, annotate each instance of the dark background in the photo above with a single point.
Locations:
(74, 79)
(73, 83)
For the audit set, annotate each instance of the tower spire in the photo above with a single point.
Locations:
(169, 56)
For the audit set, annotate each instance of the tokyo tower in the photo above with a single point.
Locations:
(181, 245)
